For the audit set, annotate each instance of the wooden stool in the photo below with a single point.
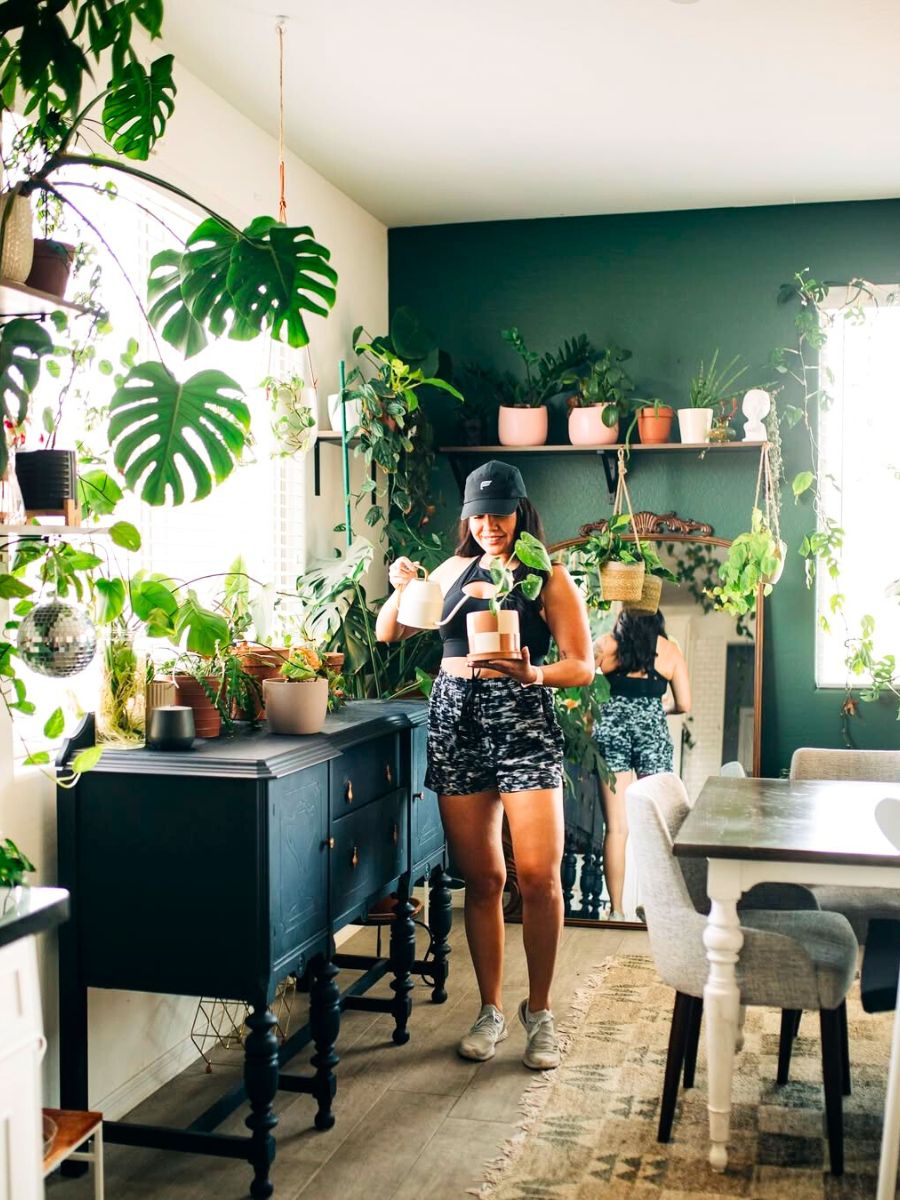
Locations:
(72, 1130)
(385, 911)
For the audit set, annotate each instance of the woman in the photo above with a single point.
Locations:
(641, 664)
(494, 746)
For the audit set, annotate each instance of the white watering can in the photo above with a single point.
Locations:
(422, 602)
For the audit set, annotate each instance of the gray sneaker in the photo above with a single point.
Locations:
(481, 1040)
(542, 1044)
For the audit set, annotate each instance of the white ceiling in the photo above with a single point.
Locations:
(468, 110)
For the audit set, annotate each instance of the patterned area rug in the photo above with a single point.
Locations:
(589, 1129)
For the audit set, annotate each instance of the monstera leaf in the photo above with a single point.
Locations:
(242, 283)
(22, 345)
(137, 107)
(158, 428)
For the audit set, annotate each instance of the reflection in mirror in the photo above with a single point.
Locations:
(721, 730)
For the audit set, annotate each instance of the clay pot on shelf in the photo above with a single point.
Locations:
(333, 660)
(493, 635)
(655, 424)
(522, 426)
(207, 720)
(622, 581)
(694, 425)
(296, 706)
(50, 266)
(586, 427)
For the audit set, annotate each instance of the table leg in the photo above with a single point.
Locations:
(890, 1133)
(721, 1002)
(402, 955)
(261, 1082)
(98, 1164)
(440, 920)
(325, 1025)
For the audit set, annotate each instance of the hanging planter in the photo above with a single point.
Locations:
(651, 594)
(51, 266)
(16, 237)
(622, 581)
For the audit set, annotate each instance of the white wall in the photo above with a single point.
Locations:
(210, 150)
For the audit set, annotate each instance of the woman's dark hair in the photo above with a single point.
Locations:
(636, 634)
(527, 521)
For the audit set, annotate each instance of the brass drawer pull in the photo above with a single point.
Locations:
(348, 791)
(389, 772)
(328, 843)
(395, 833)
(354, 858)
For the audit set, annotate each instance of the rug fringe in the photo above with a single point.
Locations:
(534, 1097)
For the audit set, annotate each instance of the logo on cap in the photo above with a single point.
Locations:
(485, 483)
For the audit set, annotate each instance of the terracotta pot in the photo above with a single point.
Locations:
(493, 635)
(586, 427)
(522, 426)
(296, 707)
(334, 660)
(50, 266)
(207, 721)
(622, 581)
(655, 426)
(694, 425)
(262, 663)
(16, 240)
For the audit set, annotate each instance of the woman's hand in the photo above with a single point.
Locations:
(401, 571)
(515, 668)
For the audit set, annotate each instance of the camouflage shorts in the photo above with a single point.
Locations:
(633, 735)
(491, 734)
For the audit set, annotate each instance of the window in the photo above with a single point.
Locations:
(859, 460)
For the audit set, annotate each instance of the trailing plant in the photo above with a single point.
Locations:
(14, 864)
(292, 420)
(751, 561)
(713, 384)
(223, 280)
(578, 711)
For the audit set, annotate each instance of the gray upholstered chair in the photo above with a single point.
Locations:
(858, 905)
(791, 960)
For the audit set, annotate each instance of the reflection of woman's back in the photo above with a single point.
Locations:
(640, 663)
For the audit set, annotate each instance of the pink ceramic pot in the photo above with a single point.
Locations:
(586, 427)
(522, 426)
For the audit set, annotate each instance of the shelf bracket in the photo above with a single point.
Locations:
(610, 461)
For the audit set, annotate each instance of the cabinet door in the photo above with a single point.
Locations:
(21, 1144)
(369, 854)
(427, 829)
(298, 864)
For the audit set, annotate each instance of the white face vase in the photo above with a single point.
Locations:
(755, 407)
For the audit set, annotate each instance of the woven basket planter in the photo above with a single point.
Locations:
(648, 601)
(622, 581)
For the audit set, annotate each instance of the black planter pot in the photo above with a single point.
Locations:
(47, 478)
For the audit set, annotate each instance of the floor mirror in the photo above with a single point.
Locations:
(721, 733)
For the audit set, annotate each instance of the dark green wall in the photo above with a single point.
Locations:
(672, 287)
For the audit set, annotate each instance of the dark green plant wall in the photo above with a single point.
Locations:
(672, 287)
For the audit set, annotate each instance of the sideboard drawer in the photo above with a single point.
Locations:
(365, 772)
(368, 854)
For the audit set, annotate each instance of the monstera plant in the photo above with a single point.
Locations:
(223, 281)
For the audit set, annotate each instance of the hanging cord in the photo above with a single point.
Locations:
(282, 202)
(764, 481)
(623, 493)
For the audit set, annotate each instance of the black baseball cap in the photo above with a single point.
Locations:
(494, 488)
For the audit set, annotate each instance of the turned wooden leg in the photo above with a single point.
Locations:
(723, 939)
(402, 956)
(324, 1024)
(440, 921)
(568, 875)
(261, 1082)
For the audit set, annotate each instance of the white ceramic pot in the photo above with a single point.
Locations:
(17, 254)
(292, 437)
(296, 707)
(586, 427)
(694, 425)
(781, 554)
(522, 426)
(334, 412)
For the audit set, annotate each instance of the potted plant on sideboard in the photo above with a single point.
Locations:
(708, 389)
(299, 698)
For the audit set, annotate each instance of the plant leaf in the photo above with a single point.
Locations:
(11, 588)
(111, 602)
(23, 343)
(167, 309)
(137, 107)
(206, 631)
(98, 492)
(85, 760)
(55, 724)
(802, 482)
(124, 534)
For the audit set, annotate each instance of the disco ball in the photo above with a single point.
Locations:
(57, 639)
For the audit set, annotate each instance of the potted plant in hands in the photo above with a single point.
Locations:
(297, 700)
(601, 400)
(709, 387)
(495, 632)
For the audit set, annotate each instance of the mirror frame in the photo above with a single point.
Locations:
(653, 527)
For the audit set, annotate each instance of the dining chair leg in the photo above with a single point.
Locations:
(789, 1027)
(693, 1040)
(678, 1035)
(845, 1050)
(832, 1078)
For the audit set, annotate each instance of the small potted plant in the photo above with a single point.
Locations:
(495, 632)
(709, 387)
(297, 698)
(522, 419)
(601, 400)
(617, 566)
(293, 420)
(755, 559)
(654, 421)
(199, 684)
(50, 267)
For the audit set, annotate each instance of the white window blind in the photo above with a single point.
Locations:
(859, 462)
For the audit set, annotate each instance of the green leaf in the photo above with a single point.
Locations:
(792, 415)
(55, 724)
(85, 760)
(23, 343)
(39, 759)
(137, 107)
(531, 552)
(802, 482)
(158, 427)
(111, 599)
(531, 586)
(98, 492)
(167, 309)
(124, 534)
(12, 588)
(150, 597)
(206, 631)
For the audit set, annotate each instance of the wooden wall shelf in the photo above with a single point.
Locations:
(18, 300)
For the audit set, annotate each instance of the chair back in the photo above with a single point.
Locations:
(887, 816)
(812, 762)
(657, 807)
(733, 770)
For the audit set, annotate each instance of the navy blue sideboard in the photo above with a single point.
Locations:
(222, 870)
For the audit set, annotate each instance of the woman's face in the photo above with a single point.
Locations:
(494, 534)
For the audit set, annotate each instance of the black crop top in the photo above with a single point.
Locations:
(535, 631)
(634, 686)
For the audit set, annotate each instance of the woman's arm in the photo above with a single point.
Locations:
(680, 682)
(400, 572)
(566, 613)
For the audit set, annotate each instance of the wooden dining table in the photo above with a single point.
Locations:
(765, 831)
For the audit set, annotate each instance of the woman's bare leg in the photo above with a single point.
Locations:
(473, 825)
(615, 837)
(536, 826)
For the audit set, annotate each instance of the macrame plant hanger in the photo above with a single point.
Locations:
(764, 482)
